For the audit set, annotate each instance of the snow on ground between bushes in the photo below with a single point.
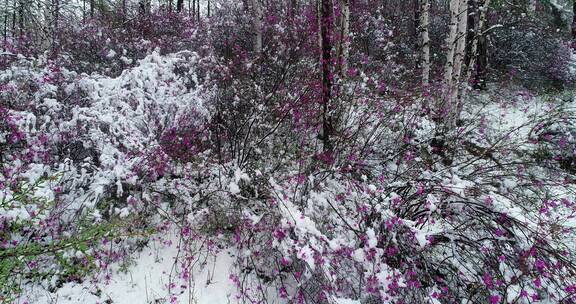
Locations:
(148, 281)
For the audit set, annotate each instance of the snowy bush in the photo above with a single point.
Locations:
(533, 57)
(157, 131)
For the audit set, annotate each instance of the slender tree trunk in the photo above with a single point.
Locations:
(451, 49)
(458, 60)
(5, 30)
(14, 20)
(6, 24)
(256, 13)
(456, 44)
(416, 20)
(55, 38)
(480, 49)
(325, 20)
(460, 41)
(21, 17)
(481, 64)
(92, 4)
(424, 29)
(198, 10)
(472, 29)
(574, 19)
(193, 10)
(293, 9)
(344, 43)
(179, 5)
(208, 9)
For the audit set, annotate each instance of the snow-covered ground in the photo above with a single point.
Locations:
(127, 104)
(148, 279)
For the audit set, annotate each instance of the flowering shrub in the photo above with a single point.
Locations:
(185, 127)
(108, 45)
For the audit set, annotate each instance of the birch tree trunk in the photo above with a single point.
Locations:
(257, 25)
(456, 45)
(451, 44)
(460, 49)
(424, 31)
(344, 44)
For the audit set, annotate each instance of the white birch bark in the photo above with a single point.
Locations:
(460, 49)
(257, 25)
(424, 31)
(451, 43)
(344, 47)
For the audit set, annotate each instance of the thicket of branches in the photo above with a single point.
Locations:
(346, 149)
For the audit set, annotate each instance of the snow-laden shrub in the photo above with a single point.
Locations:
(100, 139)
(397, 224)
(109, 44)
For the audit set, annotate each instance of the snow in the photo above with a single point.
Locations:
(233, 187)
(372, 240)
(126, 60)
(110, 54)
(320, 227)
(147, 281)
(346, 301)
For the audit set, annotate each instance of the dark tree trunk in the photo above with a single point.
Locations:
(179, 5)
(193, 9)
(198, 10)
(55, 40)
(574, 19)
(92, 4)
(472, 20)
(293, 8)
(416, 20)
(21, 16)
(326, 49)
(482, 48)
(208, 12)
(14, 20)
(481, 63)
(5, 30)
